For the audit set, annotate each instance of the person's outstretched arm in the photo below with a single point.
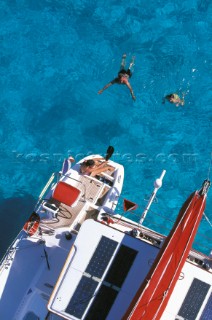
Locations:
(131, 90)
(107, 86)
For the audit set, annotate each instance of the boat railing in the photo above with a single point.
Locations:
(165, 226)
(8, 257)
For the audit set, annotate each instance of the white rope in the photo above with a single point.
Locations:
(207, 219)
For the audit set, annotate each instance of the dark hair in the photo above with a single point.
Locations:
(169, 96)
(89, 162)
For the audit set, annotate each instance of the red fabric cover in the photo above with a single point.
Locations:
(66, 193)
(153, 295)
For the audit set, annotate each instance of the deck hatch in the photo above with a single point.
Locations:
(194, 299)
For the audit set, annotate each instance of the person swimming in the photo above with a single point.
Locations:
(123, 76)
(174, 98)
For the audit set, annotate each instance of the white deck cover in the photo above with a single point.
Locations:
(79, 257)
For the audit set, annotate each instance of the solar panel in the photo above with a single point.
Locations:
(81, 297)
(93, 274)
(87, 285)
(207, 313)
(121, 265)
(194, 299)
(115, 277)
(101, 257)
(102, 303)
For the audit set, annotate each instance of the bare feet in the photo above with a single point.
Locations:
(132, 63)
(123, 61)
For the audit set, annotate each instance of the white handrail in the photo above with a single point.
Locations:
(45, 189)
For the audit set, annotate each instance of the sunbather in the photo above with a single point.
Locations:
(95, 166)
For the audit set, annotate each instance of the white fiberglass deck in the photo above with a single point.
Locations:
(32, 264)
(87, 279)
(87, 251)
(26, 280)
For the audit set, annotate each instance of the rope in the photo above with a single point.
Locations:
(207, 219)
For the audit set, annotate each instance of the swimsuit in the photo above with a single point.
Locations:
(125, 73)
(123, 77)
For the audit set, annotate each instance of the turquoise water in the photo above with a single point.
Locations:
(56, 55)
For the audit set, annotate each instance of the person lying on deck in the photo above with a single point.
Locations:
(95, 166)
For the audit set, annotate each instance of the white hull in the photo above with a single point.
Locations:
(32, 264)
(43, 276)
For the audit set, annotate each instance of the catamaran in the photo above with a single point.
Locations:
(96, 264)
(127, 271)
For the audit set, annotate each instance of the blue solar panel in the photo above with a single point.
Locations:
(93, 275)
(101, 257)
(207, 313)
(194, 300)
(87, 286)
(102, 303)
(81, 297)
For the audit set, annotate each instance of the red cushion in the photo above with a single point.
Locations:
(66, 193)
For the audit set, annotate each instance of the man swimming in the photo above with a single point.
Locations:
(123, 76)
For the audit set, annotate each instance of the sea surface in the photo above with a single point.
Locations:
(57, 54)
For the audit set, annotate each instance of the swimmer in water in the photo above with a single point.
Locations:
(123, 76)
(174, 98)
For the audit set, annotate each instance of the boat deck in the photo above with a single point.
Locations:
(93, 193)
